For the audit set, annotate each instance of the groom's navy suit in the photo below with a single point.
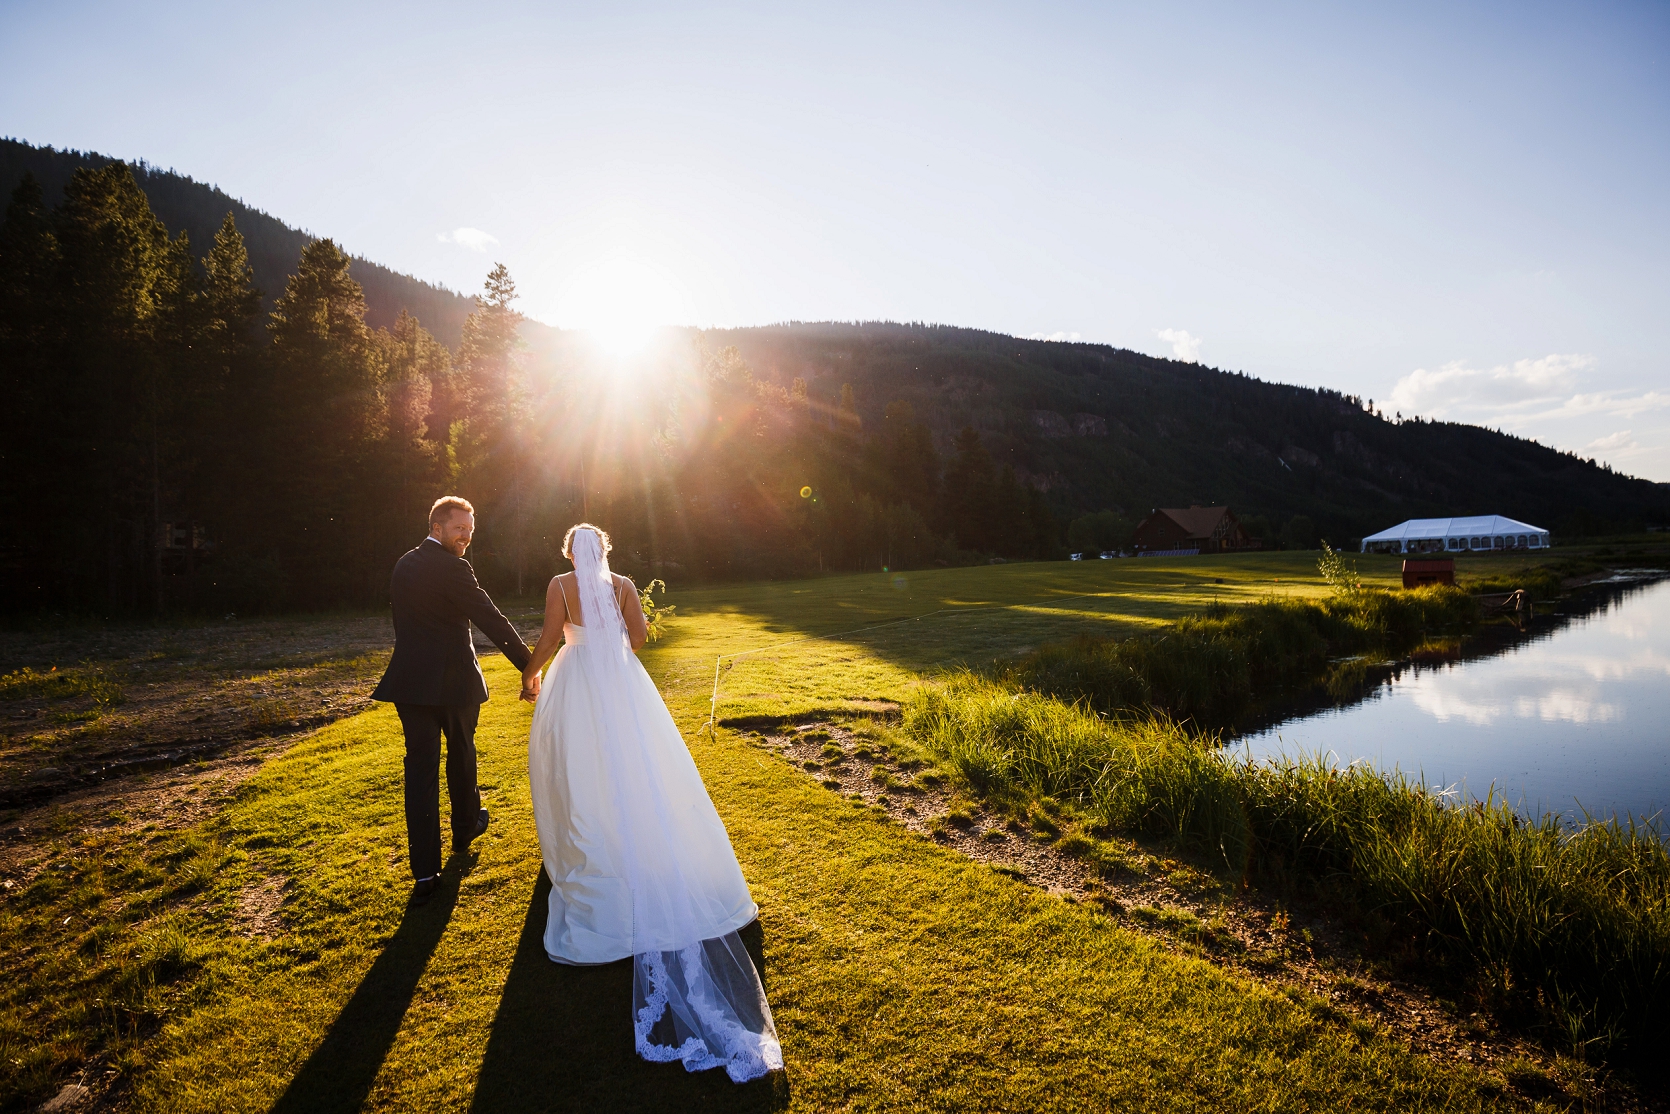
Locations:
(435, 683)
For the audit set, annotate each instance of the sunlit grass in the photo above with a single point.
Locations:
(1568, 928)
(903, 977)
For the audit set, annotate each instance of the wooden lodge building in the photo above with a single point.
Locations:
(1185, 532)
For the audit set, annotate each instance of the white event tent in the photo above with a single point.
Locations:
(1457, 535)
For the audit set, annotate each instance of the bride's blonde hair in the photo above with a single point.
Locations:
(568, 538)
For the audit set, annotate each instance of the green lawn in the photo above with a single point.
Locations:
(903, 977)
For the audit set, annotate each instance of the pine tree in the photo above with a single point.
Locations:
(416, 362)
(29, 335)
(230, 300)
(488, 354)
(969, 490)
(910, 466)
(490, 446)
(228, 417)
(326, 416)
(123, 289)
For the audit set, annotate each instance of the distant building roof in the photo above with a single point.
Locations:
(1199, 522)
(1477, 525)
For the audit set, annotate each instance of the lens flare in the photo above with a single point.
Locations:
(621, 302)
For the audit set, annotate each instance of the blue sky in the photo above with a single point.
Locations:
(1456, 210)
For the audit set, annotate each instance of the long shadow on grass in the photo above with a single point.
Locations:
(339, 1074)
(562, 1040)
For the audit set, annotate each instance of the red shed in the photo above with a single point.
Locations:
(1431, 570)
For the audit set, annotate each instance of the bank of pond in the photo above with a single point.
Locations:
(1559, 925)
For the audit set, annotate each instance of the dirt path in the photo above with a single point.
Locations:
(1301, 951)
(125, 727)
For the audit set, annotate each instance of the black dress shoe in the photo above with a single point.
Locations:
(424, 890)
(461, 843)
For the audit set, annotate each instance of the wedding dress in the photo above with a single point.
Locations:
(640, 863)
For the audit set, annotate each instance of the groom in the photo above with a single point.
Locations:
(436, 684)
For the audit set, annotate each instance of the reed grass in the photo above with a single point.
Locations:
(1566, 928)
(1213, 666)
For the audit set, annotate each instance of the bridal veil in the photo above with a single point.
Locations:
(640, 863)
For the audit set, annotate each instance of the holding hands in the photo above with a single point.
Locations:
(530, 684)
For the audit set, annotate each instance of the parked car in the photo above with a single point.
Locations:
(1075, 556)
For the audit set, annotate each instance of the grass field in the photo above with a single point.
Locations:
(265, 959)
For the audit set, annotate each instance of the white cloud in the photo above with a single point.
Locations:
(1053, 336)
(1183, 346)
(1551, 399)
(1611, 442)
(1525, 383)
(473, 238)
(1517, 393)
(1615, 404)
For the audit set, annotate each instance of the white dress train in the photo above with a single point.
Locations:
(639, 861)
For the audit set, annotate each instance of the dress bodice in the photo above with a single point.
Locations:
(573, 635)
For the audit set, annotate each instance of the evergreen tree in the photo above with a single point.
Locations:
(325, 415)
(490, 444)
(29, 320)
(230, 300)
(910, 466)
(1012, 534)
(492, 387)
(969, 491)
(108, 439)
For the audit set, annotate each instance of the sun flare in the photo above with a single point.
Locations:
(621, 303)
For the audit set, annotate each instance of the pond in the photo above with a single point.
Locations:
(1572, 713)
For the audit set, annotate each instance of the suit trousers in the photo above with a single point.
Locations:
(424, 724)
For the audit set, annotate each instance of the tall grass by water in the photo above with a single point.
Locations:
(1566, 927)
(1212, 667)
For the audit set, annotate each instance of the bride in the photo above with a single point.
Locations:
(640, 863)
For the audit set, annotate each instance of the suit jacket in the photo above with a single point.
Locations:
(436, 598)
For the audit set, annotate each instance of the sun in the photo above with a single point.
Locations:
(621, 302)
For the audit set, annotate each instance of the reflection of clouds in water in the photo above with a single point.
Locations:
(1567, 707)
(1644, 664)
(1577, 713)
(1564, 680)
(1445, 706)
(1483, 704)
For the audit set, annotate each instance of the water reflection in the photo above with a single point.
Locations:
(1570, 713)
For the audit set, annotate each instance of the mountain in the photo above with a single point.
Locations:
(1097, 427)
(196, 208)
(177, 445)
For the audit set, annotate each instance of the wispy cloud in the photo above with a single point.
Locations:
(1524, 384)
(1617, 404)
(1053, 336)
(1183, 346)
(1524, 391)
(1612, 442)
(473, 238)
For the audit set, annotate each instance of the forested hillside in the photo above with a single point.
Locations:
(197, 210)
(177, 437)
(1103, 428)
